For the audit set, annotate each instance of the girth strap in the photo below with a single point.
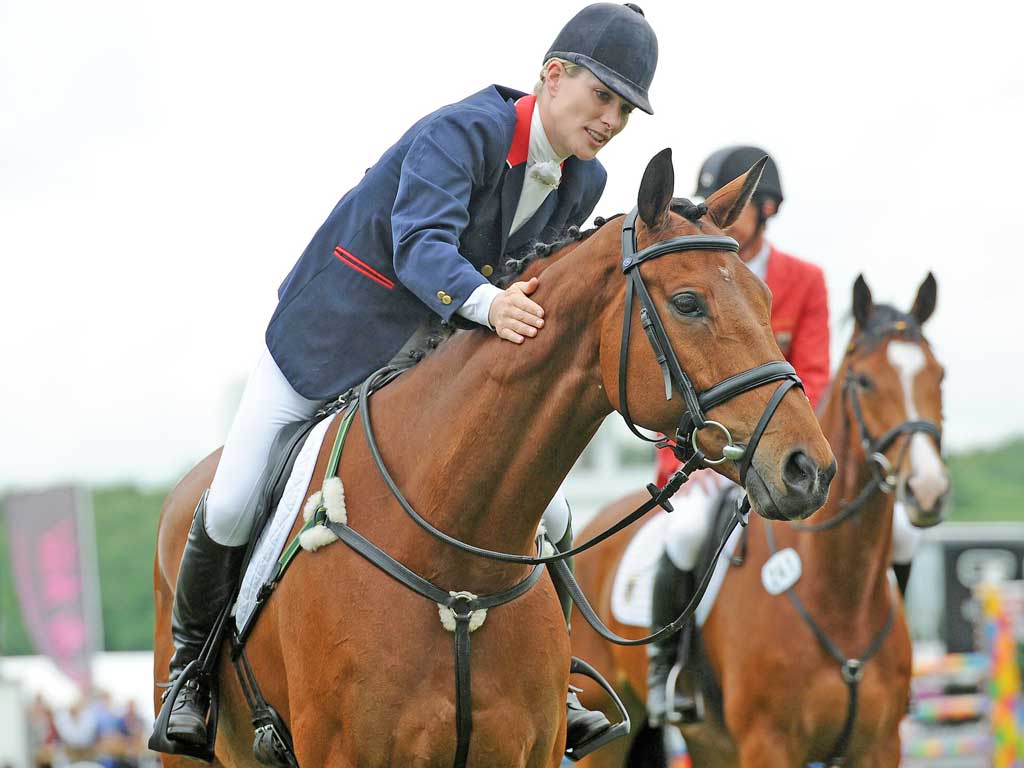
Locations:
(463, 687)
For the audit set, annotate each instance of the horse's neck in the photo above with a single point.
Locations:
(499, 430)
(855, 554)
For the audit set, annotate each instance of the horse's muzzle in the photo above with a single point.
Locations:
(804, 488)
(919, 516)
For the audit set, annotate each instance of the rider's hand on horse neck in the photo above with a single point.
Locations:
(513, 315)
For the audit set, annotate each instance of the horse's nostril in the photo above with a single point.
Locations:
(800, 472)
(829, 474)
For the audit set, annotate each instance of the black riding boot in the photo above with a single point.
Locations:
(206, 581)
(902, 571)
(583, 726)
(672, 590)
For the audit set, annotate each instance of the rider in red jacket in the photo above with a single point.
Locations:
(799, 319)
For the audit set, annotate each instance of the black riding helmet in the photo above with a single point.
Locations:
(726, 164)
(616, 44)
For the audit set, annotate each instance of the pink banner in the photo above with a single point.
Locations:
(48, 551)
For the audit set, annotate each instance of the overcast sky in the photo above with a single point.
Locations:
(162, 165)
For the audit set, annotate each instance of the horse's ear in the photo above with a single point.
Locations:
(726, 205)
(862, 302)
(924, 304)
(656, 189)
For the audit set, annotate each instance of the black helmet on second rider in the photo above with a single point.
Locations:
(616, 44)
(726, 164)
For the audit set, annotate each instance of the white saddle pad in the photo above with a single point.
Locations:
(634, 580)
(275, 535)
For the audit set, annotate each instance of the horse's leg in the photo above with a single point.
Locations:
(555, 759)
(609, 756)
(885, 753)
(709, 744)
(330, 751)
(761, 746)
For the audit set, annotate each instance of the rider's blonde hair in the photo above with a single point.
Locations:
(571, 70)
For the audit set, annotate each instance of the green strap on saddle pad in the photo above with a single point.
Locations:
(320, 516)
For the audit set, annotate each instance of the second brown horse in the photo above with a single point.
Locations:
(778, 698)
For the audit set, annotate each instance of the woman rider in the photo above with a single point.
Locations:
(418, 238)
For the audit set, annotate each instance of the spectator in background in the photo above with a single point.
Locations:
(107, 721)
(135, 728)
(78, 731)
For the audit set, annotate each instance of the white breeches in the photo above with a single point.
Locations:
(905, 537)
(691, 522)
(268, 403)
(556, 517)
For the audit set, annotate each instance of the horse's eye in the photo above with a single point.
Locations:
(864, 381)
(688, 304)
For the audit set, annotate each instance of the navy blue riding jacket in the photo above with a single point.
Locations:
(425, 226)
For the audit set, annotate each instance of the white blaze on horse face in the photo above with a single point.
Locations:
(928, 478)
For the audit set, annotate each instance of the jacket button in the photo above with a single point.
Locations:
(487, 270)
(447, 299)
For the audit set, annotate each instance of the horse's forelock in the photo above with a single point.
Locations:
(690, 211)
(884, 321)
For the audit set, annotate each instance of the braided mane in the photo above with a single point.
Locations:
(516, 264)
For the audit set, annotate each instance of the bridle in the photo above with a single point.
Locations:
(693, 419)
(884, 473)
(875, 448)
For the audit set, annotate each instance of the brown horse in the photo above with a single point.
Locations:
(778, 697)
(479, 436)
